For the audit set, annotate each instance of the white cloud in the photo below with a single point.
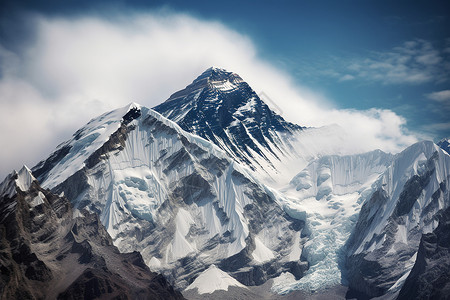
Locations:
(441, 96)
(78, 68)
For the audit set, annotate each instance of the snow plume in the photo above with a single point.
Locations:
(72, 69)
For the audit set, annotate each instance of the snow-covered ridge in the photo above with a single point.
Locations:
(445, 144)
(83, 144)
(416, 160)
(21, 180)
(93, 136)
(404, 204)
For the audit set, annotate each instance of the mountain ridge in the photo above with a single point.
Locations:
(153, 183)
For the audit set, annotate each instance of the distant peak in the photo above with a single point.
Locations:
(24, 179)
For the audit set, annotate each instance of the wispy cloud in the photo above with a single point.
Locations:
(441, 101)
(413, 62)
(441, 96)
(347, 77)
(431, 128)
(74, 69)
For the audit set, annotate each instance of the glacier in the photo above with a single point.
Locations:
(331, 190)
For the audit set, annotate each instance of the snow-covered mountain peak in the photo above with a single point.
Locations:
(134, 105)
(222, 108)
(24, 178)
(16, 180)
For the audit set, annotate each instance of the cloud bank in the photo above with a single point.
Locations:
(75, 69)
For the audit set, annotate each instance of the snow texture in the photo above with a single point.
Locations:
(330, 190)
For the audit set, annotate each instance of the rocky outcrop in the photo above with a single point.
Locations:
(430, 276)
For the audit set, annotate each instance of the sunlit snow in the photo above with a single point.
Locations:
(213, 279)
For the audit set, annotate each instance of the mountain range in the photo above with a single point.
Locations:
(216, 192)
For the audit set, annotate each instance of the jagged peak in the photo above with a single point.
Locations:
(24, 179)
(21, 180)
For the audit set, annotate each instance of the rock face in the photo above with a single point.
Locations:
(174, 197)
(46, 253)
(405, 204)
(430, 276)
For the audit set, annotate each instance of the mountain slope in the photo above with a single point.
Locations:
(405, 204)
(175, 197)
(46, 253)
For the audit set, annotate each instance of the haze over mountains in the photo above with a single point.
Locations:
(213, 184)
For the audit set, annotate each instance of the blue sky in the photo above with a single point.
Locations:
(379, 68)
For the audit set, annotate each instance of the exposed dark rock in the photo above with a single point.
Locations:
(192, 188)
(412, 190)
(115, 142)
(430, 276)
(131, 115)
